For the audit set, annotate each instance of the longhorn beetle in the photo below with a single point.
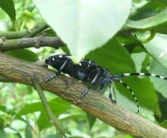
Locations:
(89, 71)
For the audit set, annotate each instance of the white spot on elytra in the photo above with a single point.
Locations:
(90, 61)
(69, 57)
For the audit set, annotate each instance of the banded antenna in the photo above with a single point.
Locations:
(130, 90)
(119, 76)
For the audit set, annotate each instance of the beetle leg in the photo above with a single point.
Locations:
(85, 92)
(52, 76)
(110, 96)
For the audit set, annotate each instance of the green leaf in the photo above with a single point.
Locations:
(73, 116)
(156, 47)
(138, 59)
(144, 91)
(58, 106)
(8, 7)
(159, 84)
(160, 1)
(164, 124)
(2, 121)
(84, 25)
(2, 133)
(148, 22)
(91, 120)
(23, 54)
(45, 117)
(30, 108)
(38, 106)
(54, 136)
(127, 136)
(16, 132)
(28, 131)
(3, 108)
(115, 58)
(163, 106)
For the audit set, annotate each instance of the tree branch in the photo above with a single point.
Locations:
(37, 42)
(94, 103)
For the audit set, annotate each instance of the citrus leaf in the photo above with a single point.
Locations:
(115, 58)
(156, 47)
(23, 54)
(84, 25)
(164, 124)
(159, 84)
(8, 7)
(91, 120)
(148, 22)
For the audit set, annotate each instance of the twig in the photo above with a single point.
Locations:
(13, 34)
(36, 42)
(37, 31)
(51, 116)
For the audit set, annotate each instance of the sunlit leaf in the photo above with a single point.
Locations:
(84, 25)
(159, 84)
(156, 47)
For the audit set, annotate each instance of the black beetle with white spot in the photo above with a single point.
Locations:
(89, 71)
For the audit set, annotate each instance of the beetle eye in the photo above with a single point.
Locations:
(53, 59)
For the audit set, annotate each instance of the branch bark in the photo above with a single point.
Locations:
(23, 72)
(37, 42)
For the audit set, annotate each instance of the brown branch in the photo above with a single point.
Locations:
(37, 42)
(94, 103)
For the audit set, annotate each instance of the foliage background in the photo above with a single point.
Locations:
(21, 112)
